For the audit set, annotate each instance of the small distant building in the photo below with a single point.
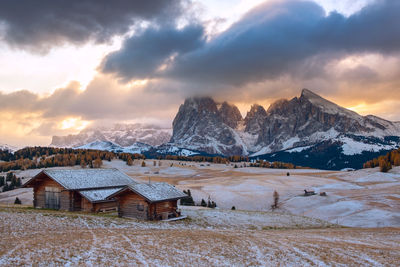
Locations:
(309, 192)
(77, 190)
(152, 201)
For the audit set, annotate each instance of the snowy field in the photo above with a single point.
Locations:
(364, 198)
(207, 238)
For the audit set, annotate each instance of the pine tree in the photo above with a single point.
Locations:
(9, 177)
(6, 187)
(203, 203)
(129, 161)
(276, 199)
(97, 163)
(143, 164)
(233, 208)
(209, 205)
(384, 166)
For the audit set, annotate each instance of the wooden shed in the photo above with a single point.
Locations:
(153, 201)
(77, 190)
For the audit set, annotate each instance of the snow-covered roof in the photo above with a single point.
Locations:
(89, 178)
(157, 191)
(154, 192)
(94, 195)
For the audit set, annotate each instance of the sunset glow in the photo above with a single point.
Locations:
(73, 123)
(141, 67)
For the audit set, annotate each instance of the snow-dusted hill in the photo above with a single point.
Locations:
(137, 147)
(8, 147)
(124, 135)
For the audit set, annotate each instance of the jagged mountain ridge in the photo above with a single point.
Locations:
(307, 130)
(204, 125)
(123, 135)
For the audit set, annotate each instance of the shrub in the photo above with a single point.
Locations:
(143, 164)
(17, 201)
(187, 201)
(233, 208)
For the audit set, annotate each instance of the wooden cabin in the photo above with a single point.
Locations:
(77, 190)
(152, 201)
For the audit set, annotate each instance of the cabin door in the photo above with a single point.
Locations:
(52, 198)
(77, 202)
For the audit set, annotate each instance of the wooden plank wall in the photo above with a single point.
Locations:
(87, 205)
(105, 206)
(128, 206)
(40, 194)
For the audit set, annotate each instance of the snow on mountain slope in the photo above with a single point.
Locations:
(138, 148)
(205, 125)
(8, 147)
(170, 149)
(121, 134)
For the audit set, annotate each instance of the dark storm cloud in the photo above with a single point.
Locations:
(144, 53)
(288, 38)
(41, 24)
(278, 38)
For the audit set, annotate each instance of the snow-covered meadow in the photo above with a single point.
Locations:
(207, 238)
(303, 231)
(363, 198)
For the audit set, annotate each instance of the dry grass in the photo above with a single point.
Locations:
(32, 237)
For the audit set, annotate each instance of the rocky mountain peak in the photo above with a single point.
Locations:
(254, 119)
(230, 114)
(201, 104)
(202, 124)
(279, 106)
(256, 110)
(309, 94)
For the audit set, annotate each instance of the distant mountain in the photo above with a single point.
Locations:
(307, 130)
(138, 148)
(123, 135)
(8, 148)
(306, 123)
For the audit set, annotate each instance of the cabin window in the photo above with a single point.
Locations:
(52, 197)
(140, 207)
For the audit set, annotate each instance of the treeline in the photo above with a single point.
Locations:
(385, 163)
(10, 182)
(274, 165)
(211, 159)
(47, 157)
(188, 201)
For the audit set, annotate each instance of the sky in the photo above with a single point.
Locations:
(69, 65)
